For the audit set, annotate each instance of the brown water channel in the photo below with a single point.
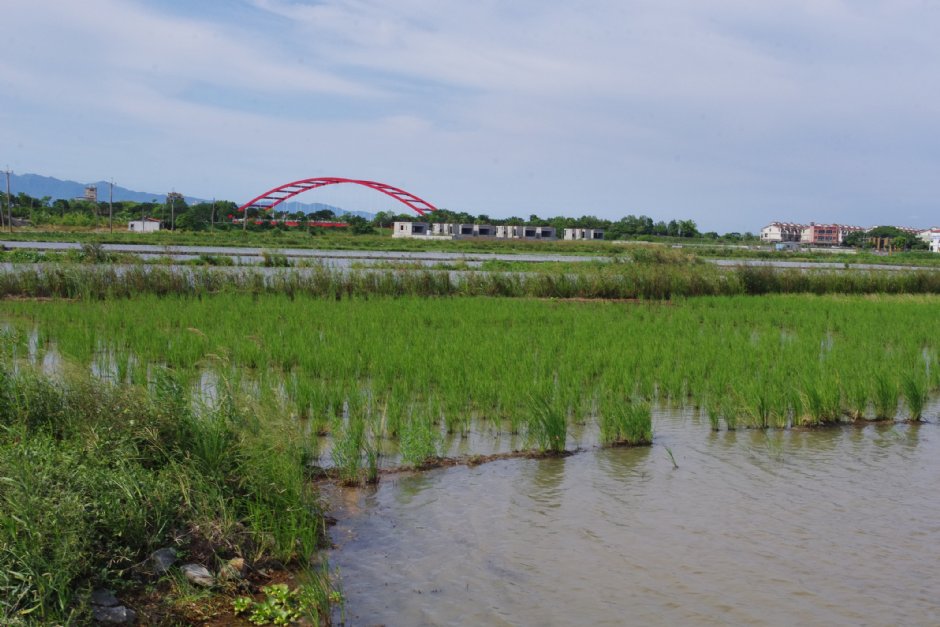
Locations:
(829, 526)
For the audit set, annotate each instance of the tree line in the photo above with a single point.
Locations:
(178, 214)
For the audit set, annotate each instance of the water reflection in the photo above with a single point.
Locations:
(542, 483)
(827, 526)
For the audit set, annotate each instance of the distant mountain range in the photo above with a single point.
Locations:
(39, 186)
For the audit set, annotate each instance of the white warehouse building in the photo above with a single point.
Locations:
(147, 225)
(440, 230)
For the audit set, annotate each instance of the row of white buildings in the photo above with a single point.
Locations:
(425, 230)
(813, 234)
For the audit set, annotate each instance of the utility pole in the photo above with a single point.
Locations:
(91, 195)
(111, 207)
(245, 221)
(9, 210)
(212, 217)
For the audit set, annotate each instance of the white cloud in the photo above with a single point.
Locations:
(728, 111)
(95, 40)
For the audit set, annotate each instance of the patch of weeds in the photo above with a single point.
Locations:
(283, 606)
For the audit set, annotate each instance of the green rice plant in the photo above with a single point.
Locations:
(821, 401)
(731, 419)
(757, 404)
(313, 353)
(547, 423)
(915, 394)
(347, 449)
(672, 458)
(712, 408)
(628, 423)
(417, 442)
(858, 398)
(886, 397)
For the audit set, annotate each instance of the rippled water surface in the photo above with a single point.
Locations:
(837, 526)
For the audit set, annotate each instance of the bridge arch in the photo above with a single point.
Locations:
(273, 197)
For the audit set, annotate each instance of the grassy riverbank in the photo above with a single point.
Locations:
(94, 477)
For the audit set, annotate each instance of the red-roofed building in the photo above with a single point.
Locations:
(826, 234)
(781, 232)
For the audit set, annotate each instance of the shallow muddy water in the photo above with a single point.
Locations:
(831, 526)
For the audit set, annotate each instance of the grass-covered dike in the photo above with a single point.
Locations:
(95, 477)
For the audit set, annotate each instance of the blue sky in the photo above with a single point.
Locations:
(730, 112)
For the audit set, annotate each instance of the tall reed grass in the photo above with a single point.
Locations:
(616, 281)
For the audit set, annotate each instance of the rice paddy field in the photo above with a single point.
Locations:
(353, 378)
(450, 365)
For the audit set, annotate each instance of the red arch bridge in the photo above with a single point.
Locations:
(272, 198)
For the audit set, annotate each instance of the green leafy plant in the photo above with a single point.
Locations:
(283, 606)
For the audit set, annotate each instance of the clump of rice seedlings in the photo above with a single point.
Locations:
(886, 397)
(347, 449)
(821, 401)
(915, 394)
(516, 420)
(858, 397)
(731, 419)
(757, 403)
(417, 442)
(548, 423)
(627, 424)
(712, 408)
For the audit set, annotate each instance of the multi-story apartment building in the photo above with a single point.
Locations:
(781, 232)
(932, 237)
(813, 234)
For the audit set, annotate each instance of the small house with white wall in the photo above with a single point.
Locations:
(410, 229)
(147, 225)
(538, 232)
(474, 230)
(443, 229)
(584, 234)
(512, 231)
(508, 231)
(932, 237)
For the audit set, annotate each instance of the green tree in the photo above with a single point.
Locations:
(359, 225)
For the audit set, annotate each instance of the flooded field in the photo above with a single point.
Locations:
(821, 526)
